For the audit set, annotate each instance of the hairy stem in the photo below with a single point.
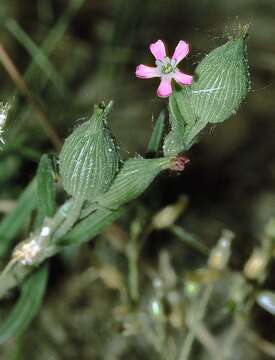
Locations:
(16, 270)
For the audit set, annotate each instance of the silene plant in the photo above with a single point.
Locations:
(98, 182)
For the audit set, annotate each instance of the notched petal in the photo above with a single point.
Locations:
(181, 51)
(158, 50)
(146, 72)
(165, 88)
(183, 79)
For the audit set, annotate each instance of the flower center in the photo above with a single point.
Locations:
(167, 69)
(166, 66)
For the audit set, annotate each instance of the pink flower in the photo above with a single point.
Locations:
(166, 68)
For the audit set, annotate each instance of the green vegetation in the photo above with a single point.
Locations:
(144, 261)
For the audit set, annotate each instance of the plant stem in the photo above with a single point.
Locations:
(189, 239)
(15, 272)
(199, 312)
(132, 252)
(71, 219)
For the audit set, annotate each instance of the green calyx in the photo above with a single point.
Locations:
(221, 82)
(89, 159)
(133, 179)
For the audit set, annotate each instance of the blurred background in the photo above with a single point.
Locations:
(64, 56)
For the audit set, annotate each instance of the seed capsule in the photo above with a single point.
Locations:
(89, 159)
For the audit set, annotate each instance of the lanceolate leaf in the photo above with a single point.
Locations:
(45, 187)
(14, 221)
(157, 135)
(27, 305)
(221, 82)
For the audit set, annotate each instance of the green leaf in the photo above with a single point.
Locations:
(45, 187)
(49, 44)
(91, 226)
(157, 135)
(13, 222)
(37, 54)
(27, 306)
(221, 82)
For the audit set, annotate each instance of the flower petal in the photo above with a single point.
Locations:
(181, 50)
(146, 72)
(158, 50)
(165, 88)
(183, 79)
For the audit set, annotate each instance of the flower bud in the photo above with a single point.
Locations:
(167, 216)
(179, 163)
(256, 265)
(220, 254)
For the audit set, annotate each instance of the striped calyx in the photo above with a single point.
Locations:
(89, 159)
(134, 178)
(220, 84)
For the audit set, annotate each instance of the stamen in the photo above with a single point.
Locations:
(167, 69)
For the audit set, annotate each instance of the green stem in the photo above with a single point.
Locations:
(133, 252)
(15, 272)
(189, 239)
(71, 219)
(199, 312)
